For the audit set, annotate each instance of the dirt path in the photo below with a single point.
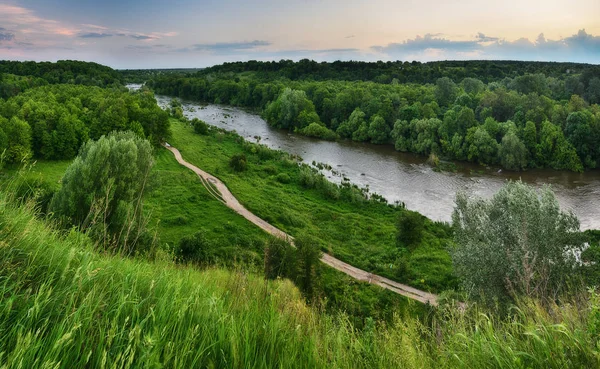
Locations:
(359, 274)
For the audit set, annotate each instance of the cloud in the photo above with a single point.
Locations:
(143, 37)
(5, 35)
(580, 47)
(483, 38)
(18, 17)
(429, 41)
(94, 35)
(228, 47)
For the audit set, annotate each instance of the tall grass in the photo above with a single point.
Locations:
(63, 305)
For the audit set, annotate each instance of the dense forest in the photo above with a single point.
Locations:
(52, 122)
(516, 115)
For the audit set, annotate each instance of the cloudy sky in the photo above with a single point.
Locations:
(198, 33)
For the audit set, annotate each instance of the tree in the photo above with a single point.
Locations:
(238, 162)
(517, 243)
(102, 190)
(18, 142)
(512, 153)
(378, 130)
(445, 92)
(279, 259)
(348, 127)
(285, 112)
(481, 146)
(308, 266)
(200, 127)
(410, 227)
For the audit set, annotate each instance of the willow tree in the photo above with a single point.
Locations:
(102, 190)
(519, 243)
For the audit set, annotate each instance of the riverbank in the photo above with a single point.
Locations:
(404, 177)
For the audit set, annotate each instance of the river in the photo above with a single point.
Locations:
(404, 177)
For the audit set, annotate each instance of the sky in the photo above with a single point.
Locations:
(136, 34)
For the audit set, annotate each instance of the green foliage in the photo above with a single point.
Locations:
(15, 140)
(519, 243)
(356, 227)
(292, 109)
(62, 117)
(362, 102)
(445, 91)
(238, 162)
(68, 306)
(200, 127)
(319, 131)
(513, 153)
(280, 259)
(410, 228)
(64, 71)
(102, 191)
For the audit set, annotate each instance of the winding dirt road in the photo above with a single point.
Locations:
(228, 199)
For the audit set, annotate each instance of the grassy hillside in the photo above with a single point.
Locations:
(66, 306)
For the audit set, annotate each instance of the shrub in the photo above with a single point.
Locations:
(410, 228)
(238, 162)
(200, 127)
(283, 178)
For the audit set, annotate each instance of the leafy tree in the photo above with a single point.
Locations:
(445, 92)
(285, 112)
(200, 126)
(513, 153)
(18, 139)
(410, 227)
(593, 91)
(308, 266)
(348, 127)
(517, 243)
(279, 259)
(319, 131)
(481, 146)
(238, 162)
(472, 86)
(102, 190)
(378, 130)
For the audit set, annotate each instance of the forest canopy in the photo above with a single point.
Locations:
(517, 115)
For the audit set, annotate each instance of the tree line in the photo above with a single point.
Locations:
(404, 71)
(52, 122)
(530, 121)
(64, 71)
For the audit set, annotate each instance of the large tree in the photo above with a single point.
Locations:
(102, 189)
(517, 243)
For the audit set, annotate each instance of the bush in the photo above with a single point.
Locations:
(319, 131)
(196, 248)
(283, 178)
(200, 127)
(238, 162)
(410, 228)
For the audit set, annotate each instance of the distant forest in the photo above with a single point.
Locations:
(516, 115)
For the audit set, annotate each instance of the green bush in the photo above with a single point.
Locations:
(283, 178)
(410, 228)
(319, 131)
(239, 162)
(200, 127)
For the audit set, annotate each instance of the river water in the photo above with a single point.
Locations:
(401, 176)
